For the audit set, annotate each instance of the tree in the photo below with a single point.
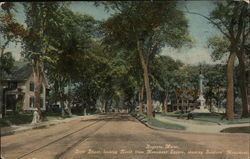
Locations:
(40, 17)
(7, 62)
(134, 27)
(132, 83)
(100, 78)
(216, 83)
(232, 19)
(10, 31)
(164, 77)
(67, 52)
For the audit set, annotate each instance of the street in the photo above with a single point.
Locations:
(118, 135)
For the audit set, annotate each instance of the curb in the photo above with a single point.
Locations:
(147, 125)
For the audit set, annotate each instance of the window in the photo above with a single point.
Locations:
(12, 85)
(32, 86)
(32, 101)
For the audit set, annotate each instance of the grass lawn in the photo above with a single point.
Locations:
(245, 129)
(166, 125)
(209, 117)
(51, 116)
(158, 123)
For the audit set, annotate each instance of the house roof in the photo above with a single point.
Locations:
(21, 71)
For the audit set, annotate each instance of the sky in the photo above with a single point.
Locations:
(199, 28)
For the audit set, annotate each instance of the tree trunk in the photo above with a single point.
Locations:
(69, 109)
(38, 86)
(182, 103)
(109, 104)
(146, 81)
(230, 86)
(210, 104)
(62, 105)
(141, 100)
(165, 104)
(242, 80)
(105, 105)
(59, 87)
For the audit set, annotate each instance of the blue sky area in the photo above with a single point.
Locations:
(199, 29)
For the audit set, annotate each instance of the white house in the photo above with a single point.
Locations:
(18, 87)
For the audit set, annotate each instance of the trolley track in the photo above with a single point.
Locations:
(65, 137)
(84, 138)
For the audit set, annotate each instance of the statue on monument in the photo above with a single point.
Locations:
(201, 98)
(201, 77)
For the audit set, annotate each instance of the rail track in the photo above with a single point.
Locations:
(65, 137)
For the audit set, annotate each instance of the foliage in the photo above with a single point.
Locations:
(7, 62)
(105, 66)
(232, 19)
(135, 20)
(163, 74)
(103, 78)
(19, 106)
(16, 119)
(219, 47)
(134, 28)
(68, 52)
(216, 83)
(10, 29)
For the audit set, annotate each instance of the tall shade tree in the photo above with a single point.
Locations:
(232, 19)
(40, 17)
(220, 47)
(69, 44)
(134, 26)
(136, 73)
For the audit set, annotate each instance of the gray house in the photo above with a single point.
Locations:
(18, 88)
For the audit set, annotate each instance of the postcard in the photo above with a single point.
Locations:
(125, 79)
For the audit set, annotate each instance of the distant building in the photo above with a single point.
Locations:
(19, 86)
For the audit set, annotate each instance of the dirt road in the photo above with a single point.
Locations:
(121, 136)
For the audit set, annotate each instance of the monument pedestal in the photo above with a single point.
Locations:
(202, 109)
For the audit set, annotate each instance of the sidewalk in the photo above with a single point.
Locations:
(196, 126)
(25, 127)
